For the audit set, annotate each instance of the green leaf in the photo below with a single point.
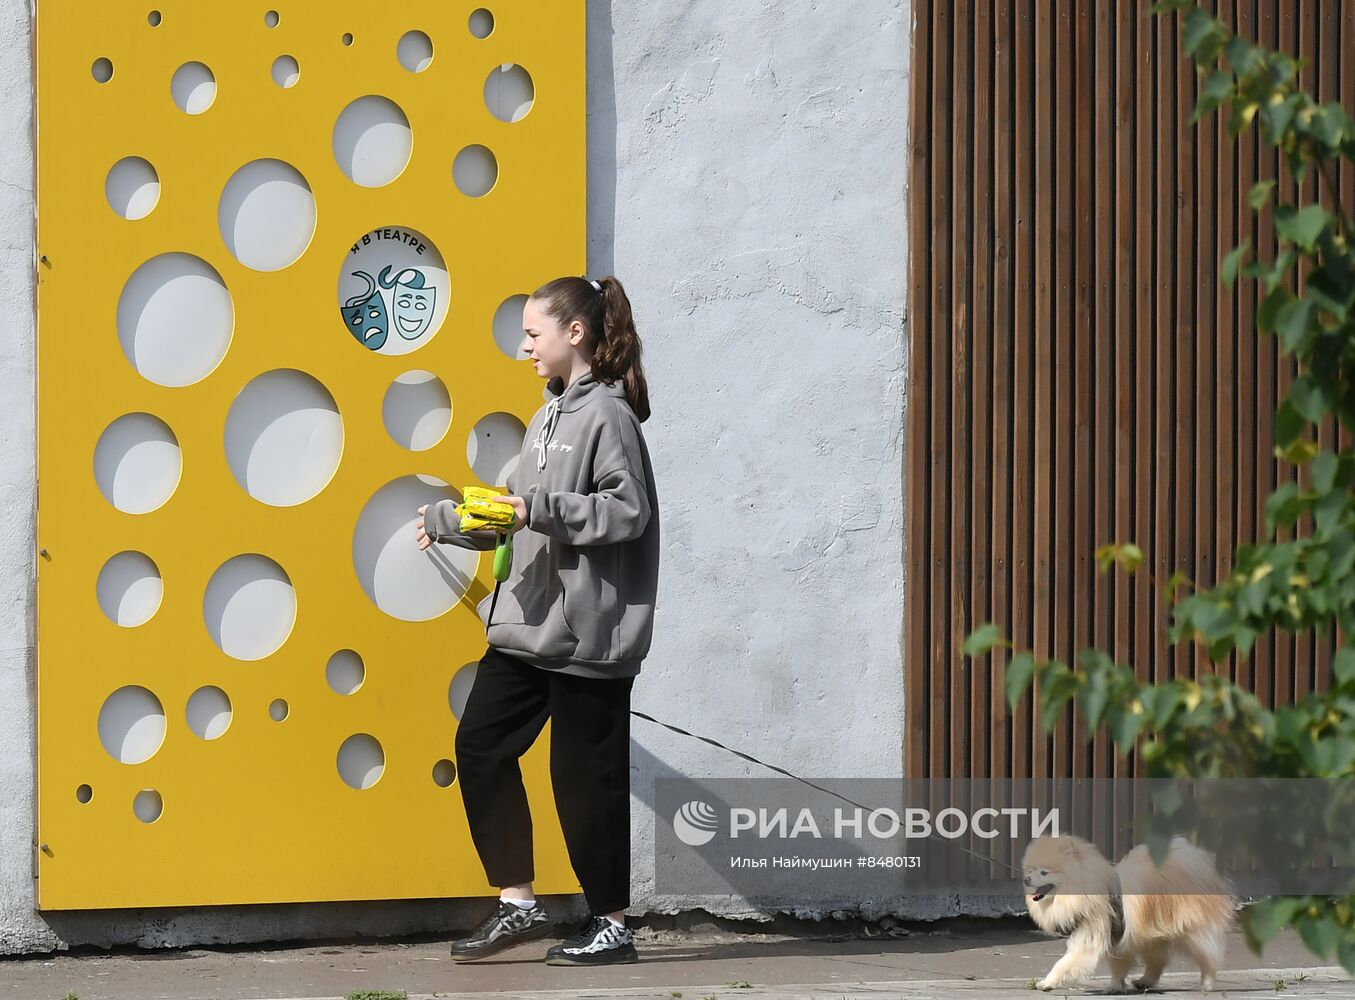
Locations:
(1293, 324)
(1200, 35)
(1265, 918)
(1094, 696)
(1324, 472)
(1020, 672)
(1289, 424)
(1343, 666)
(1124, 725)
(1217, 89)
(1331, 293)
(1260, 194)
(1276, 118)
(1345, 951)
(1303, 226)
(1283, 507)
(1329, 125)
(1243, 57)
(1165, 703)
(1318, 933)
(1231, 262)
(1270, 308)
(1308, 399)
(982, 639)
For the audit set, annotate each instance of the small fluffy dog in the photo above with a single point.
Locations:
(1129, 913)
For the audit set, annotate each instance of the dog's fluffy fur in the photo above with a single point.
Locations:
(1184, 907)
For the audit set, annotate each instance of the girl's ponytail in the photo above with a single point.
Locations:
(618, 349)
(607, 317)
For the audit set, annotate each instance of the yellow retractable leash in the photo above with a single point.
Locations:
(477, 512)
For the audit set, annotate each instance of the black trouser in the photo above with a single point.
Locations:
(589, 769)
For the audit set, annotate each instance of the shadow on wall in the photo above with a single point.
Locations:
(601, 140)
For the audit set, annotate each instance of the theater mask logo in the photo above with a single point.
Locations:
(393, 290)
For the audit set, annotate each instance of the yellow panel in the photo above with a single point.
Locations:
(260, 814)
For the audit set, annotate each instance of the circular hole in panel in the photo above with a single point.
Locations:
(129, 589)
(148, 805)
(393, 290)
(508, 332)
(372, 141)
(361, 761)
(208, 712)
(131, 724)
(193, 88)
(175, 319)
(417, 410)
(481, 23)
(132, 187)
(286, 72)
(509, 92)
(137, 463)
(278, 709)
(154, 18)
(271, 19)
(347, 38)
(267, 215)
(415, 51)
(249, 607)
(84, 793)
(444, 773)
(475, 170)
(345, 672)
(102, 70)
(403, 582)
(284, 438)
(459, 690)
(494, 446)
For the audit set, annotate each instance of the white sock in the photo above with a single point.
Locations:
(619, 923)
(526, 904)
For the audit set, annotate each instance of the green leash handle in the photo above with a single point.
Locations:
(503, 557)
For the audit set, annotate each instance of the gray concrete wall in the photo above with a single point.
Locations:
(747, 183)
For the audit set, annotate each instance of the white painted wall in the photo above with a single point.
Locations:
(747, 183)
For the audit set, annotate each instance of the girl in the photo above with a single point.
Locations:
(569, 627)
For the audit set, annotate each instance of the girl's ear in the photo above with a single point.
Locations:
(576, 333)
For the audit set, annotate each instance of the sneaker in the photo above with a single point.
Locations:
(598, 942)
(507, 925)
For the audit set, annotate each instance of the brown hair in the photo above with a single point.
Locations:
(607, 319)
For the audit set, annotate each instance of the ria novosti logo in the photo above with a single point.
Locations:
(695, 823)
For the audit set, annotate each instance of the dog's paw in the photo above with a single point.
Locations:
(1046, 984)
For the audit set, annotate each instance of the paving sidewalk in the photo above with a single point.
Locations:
(976, 960)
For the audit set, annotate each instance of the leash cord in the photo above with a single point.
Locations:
(806, 781)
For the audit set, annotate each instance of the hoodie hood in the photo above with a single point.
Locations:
(573, 396)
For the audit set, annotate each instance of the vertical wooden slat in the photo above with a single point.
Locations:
(1003, 323)
(1248, 344)
(917, 613)
(958, 554)
(1126, 131)
(939, 375)
(1165, 661)
(1023, 334)
(981, 395)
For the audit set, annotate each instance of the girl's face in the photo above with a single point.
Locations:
(553, 349)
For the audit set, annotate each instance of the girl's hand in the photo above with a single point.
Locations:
(420, 534)
(519, 508)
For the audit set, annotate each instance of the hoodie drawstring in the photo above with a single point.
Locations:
(547, 430)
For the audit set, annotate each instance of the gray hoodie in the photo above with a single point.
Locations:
(580, 595)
